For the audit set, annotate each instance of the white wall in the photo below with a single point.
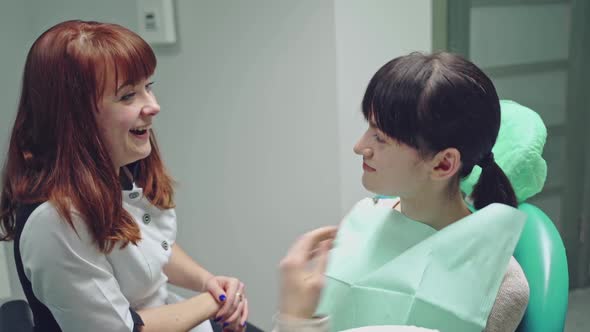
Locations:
(260, 109)
(249, 129)
(368, 34)
(13, 36)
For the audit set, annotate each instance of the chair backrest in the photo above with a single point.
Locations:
(541, 254)
(15, 316)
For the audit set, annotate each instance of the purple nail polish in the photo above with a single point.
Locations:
(225, 324)
(222, 298)
(217, 319)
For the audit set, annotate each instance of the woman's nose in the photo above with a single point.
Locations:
(364, 151)
(151, 108)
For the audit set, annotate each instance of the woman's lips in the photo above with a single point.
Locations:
(368, 168)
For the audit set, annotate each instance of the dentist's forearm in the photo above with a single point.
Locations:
(185, 272)
(179, 317)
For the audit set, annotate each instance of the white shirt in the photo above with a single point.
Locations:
(87, 290)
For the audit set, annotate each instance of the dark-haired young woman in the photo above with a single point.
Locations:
(424, 258)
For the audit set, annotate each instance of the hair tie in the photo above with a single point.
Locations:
(486, 161)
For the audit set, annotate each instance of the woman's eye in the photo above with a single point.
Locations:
(379, 139)
(128, 96)
(149, 86)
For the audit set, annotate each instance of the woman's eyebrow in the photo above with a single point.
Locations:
(125, 84)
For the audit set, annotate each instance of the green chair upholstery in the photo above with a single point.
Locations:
(541, 254)
(518, 150)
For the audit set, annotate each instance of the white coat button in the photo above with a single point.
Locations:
(147, 219)
(165, 245)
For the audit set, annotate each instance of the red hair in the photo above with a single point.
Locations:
(56, 153)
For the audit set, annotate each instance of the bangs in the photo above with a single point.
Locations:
(132, 63)
(392, 101)
(127, 57)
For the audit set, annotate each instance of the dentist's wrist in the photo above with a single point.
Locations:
(204, 281)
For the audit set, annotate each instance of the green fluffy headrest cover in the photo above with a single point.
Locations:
(518, 151)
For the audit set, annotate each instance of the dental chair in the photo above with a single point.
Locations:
(540, 250)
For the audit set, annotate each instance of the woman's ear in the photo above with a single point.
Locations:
(445, 164)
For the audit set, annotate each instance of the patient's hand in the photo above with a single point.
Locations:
(301, 284)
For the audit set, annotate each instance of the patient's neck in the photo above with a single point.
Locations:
(436, 210)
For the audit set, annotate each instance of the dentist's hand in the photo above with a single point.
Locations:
(301, 284)
(230, 294)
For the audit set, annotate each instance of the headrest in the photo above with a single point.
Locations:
(518, 151)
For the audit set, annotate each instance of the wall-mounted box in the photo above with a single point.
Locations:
(156, 21)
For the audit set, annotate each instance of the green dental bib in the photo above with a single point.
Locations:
(386, 269)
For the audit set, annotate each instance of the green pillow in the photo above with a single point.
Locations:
(518, 151)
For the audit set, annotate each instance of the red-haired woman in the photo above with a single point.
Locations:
(87, 199)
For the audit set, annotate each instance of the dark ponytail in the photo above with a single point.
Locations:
(493, 185)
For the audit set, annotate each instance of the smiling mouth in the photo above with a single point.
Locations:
(138, 132)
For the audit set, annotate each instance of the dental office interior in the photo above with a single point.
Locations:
(260, 105)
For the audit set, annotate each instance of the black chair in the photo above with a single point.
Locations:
(16, 316)
(249, 327)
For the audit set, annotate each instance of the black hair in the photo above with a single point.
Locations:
(438, 101)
